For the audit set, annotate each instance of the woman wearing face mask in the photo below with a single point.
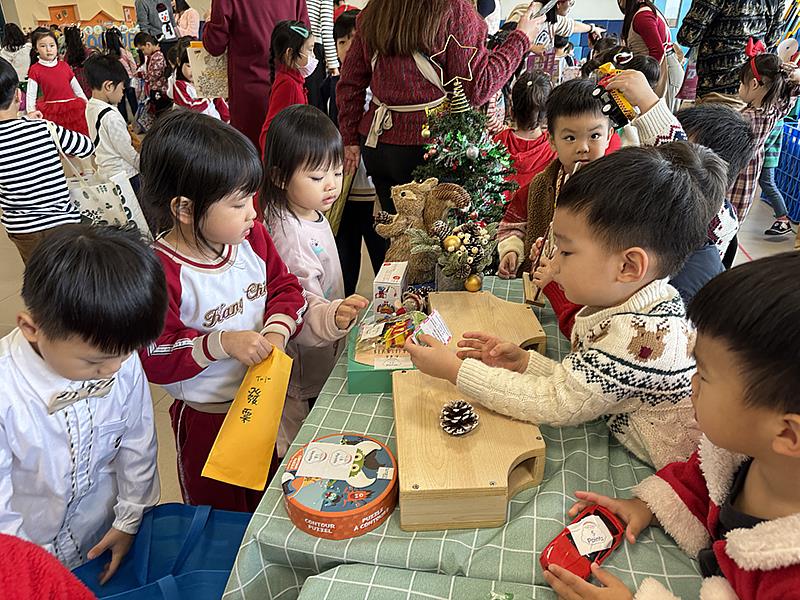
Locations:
(291, 60)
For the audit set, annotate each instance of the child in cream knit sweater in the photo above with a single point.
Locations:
(631, 359)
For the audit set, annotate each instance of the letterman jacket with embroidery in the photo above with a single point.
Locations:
(762, 562)
(70, 470)
(247, 288)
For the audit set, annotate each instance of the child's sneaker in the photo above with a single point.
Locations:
(779, 227)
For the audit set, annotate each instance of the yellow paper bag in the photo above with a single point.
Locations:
(243, 449)
(334, 215)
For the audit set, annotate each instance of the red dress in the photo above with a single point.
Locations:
(58, 102)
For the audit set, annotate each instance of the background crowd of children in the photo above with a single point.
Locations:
(621, 228)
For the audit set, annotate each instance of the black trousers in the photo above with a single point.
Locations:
(357, 224)
(130, 99)
(390, 165)
(316, 79)
(730, 253)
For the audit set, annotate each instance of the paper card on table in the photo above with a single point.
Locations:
(590, 535)
(396, 358)
(242, 452)
(435, 327)
(327, 461)
(371, 330)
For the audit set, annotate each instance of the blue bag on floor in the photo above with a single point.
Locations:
(180, 552)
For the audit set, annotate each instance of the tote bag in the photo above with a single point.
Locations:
(103, 202)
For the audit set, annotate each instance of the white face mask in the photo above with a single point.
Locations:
(310, 66)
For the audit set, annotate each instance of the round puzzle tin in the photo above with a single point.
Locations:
(340, 486)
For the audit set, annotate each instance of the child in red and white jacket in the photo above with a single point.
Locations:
(184, 94)
(735, 504)
(231, 297)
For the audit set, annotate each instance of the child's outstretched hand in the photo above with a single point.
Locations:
(493, 351)
(348, 310)
(543, 274)
(634, 513)
(435, 359)
(569, 586)
(119, 543)
(249, 347)
(508, 266)
(634, 86)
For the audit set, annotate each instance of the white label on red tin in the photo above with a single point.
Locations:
(590, 535)
(385, 472)
(326, 461)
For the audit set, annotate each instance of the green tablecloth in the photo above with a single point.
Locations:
(276, 558)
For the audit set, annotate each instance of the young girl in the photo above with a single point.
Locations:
(63, 100)
(526, 143)
(184, 93)
(76, 53)
(768, 87)
(231, 297)
(112, 42)
(303, 159)
(291, 60)
(16, 49)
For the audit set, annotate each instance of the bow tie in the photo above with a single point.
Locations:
(90, 389)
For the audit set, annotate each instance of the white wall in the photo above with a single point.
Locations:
(584, 10)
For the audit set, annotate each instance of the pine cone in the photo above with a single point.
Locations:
(458, 417)
(463, 271)
(471, 227)
(440, 229)
(454, 194)
(383, 217)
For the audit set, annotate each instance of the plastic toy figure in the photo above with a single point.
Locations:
(615, 105)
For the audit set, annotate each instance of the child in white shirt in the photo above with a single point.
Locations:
(303, 154)
(114, 150)
(77, 440)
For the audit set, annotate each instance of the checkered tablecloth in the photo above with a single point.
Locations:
(276, 559)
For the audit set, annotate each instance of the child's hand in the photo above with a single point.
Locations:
(493, 351)
(634, 513)
(276, 340)
(348, 310)
(634, 86)
(536, 249)
(352, 158)
(544, 273)
(508, 266)
(35, 114)
(119, 543)
(435, 359)
(249, 347)
(569, 586)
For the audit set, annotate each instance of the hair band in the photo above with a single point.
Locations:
(299, 29)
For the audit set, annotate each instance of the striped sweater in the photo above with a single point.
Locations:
(320, 14)
(33, 190)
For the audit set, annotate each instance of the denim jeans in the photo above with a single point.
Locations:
(771, 192)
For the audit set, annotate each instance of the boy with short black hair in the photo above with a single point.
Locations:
(33, 189)
(114, 151)
(631, 361)
(735, 504)
(77, 439)
(579, 133)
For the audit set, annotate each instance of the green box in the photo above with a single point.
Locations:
(364, 379)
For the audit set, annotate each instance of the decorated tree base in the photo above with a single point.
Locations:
(448, 284)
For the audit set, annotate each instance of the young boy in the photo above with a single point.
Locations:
(735, 504)
(33, 190)
(155, 72)
(579, 133)
(356, 222)
(77, 440)
(114, 150)
(631, 363)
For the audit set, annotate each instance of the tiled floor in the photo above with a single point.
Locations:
(754, 246)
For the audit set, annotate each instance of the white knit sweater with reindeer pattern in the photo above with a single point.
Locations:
(630, 364)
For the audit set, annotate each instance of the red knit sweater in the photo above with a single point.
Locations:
(287, 89)
(653, 31)
(397, 81)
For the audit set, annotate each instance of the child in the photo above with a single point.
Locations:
(579, 133)
(114, 150)
(231, 297)
(564, 49)
(156, 73)
(291, 59)
(735, 504)
(344, 30)
(16, 49)
(78, 442)
(112, 42)
(303, 155)
(185, 95)
(527, 143)
(631, 362)
(33, 190)
(63, 100)
(770, 191)
(768, 89)
(75, 55)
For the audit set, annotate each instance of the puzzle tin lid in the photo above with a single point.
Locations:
(340, 486)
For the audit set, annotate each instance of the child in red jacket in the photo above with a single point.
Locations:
(291, 60)
(185, 94)
(735, 504)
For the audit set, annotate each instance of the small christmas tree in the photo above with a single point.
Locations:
(462, 151)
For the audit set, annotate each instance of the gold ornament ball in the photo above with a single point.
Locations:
(451, 243)
(426, 133)
(473, 283)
